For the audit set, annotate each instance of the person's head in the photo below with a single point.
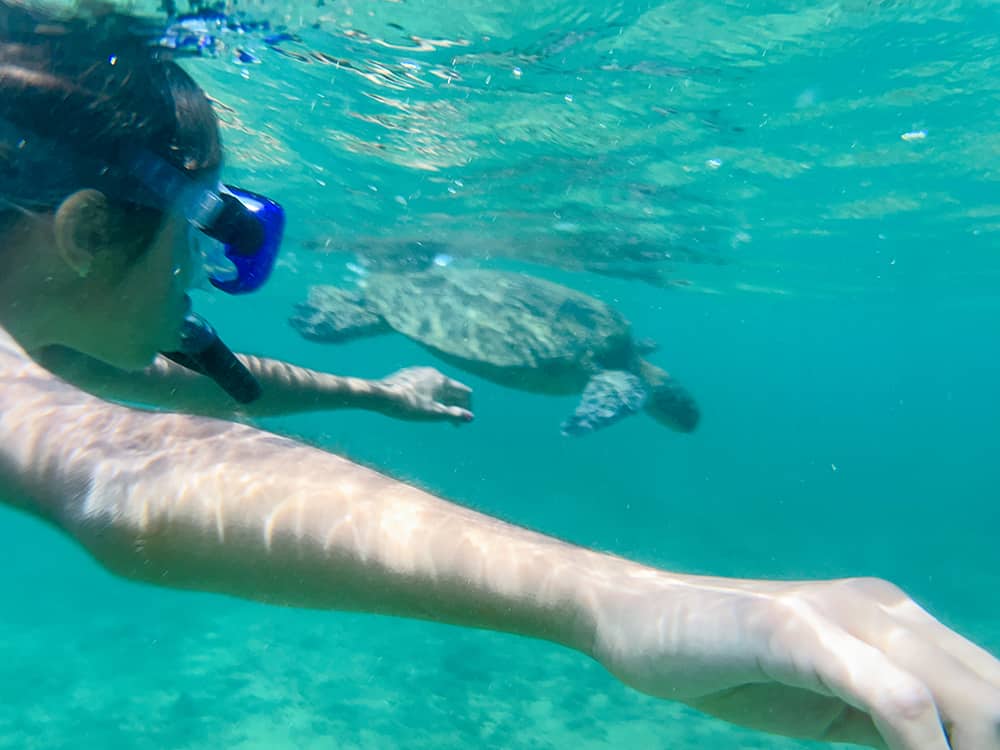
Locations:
(92, 255)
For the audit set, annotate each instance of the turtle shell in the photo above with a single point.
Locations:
(503, 319)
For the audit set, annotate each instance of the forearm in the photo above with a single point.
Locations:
(290, 389)
(285, 388)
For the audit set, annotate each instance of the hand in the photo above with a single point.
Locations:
(854, 660)
(423, 393)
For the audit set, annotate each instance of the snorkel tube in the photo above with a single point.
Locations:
(202, 351)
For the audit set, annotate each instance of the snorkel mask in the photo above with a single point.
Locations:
(247, 231)
(244, 229)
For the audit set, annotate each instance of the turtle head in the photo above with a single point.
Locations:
(668, 402)
(673, 406)
(334, 315)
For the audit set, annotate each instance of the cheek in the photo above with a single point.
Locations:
(155, 289)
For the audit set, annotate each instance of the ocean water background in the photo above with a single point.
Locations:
(799, 201)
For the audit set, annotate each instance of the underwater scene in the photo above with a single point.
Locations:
(721, 276)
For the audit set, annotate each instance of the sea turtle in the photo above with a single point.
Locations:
(511, 328)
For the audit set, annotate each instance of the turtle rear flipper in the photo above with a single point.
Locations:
(334, 315)
(610, 395)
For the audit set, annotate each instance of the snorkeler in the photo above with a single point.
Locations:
(96, 261)
(95, 317)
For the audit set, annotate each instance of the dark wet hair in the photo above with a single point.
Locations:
(79, 93)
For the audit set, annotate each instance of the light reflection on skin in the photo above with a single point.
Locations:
(198, 503)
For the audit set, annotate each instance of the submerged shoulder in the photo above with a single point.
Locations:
(16, 362)
(9, 348)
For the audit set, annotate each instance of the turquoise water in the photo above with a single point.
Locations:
(825, 287)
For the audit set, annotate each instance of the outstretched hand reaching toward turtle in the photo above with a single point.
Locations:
(423, 393)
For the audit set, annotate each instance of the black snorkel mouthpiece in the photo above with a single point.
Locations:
(202, 351)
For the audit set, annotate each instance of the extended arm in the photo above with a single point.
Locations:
(415, 393)
(202, 504)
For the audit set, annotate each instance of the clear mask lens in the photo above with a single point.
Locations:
(210, 261)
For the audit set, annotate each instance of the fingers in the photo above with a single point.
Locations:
(454, 401)
(457, 387)
(897, 607)
(901, 707)
(428, 394)
(963, 679)
(967, 699)
(899, 671)
(812, 650)
(433, 381)
(455, 414)
(457, 394)
(974, 658)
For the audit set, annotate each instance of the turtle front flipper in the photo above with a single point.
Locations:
(669, 403)
(334, 315)
(610, 395)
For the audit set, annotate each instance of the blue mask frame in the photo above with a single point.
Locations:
(248, 226)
